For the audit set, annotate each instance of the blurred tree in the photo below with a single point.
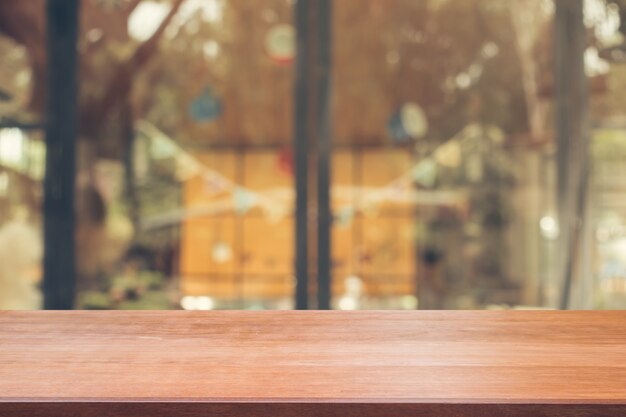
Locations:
(441, 54)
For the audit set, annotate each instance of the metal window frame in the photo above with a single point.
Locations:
(312, 151)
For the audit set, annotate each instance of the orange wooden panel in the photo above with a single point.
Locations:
(268, 246)
(216, 286)
(382, 167)
(256, 287)
(198, 190)
(388, 245)
(343, 251)
(208, 246)
(262, 171)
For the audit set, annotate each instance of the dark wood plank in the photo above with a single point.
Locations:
(312, 364)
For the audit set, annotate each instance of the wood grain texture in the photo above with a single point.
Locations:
(452, 364)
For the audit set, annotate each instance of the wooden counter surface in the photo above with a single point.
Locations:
(301, 364)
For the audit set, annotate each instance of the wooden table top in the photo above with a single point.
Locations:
(312, 363)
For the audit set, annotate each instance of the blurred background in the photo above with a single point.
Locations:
(279, 154)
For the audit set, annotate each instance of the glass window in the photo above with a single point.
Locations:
(446, 158)
(22, 153)
(445, 109)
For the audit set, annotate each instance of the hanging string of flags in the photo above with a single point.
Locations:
(276, 203)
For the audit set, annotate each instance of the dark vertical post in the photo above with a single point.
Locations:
(312, 148)
(324, 150)
(301, 161)
(59, 268)
(572, 129)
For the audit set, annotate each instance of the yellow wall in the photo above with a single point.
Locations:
(377, 246)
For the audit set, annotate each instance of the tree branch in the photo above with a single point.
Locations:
(119, 86)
